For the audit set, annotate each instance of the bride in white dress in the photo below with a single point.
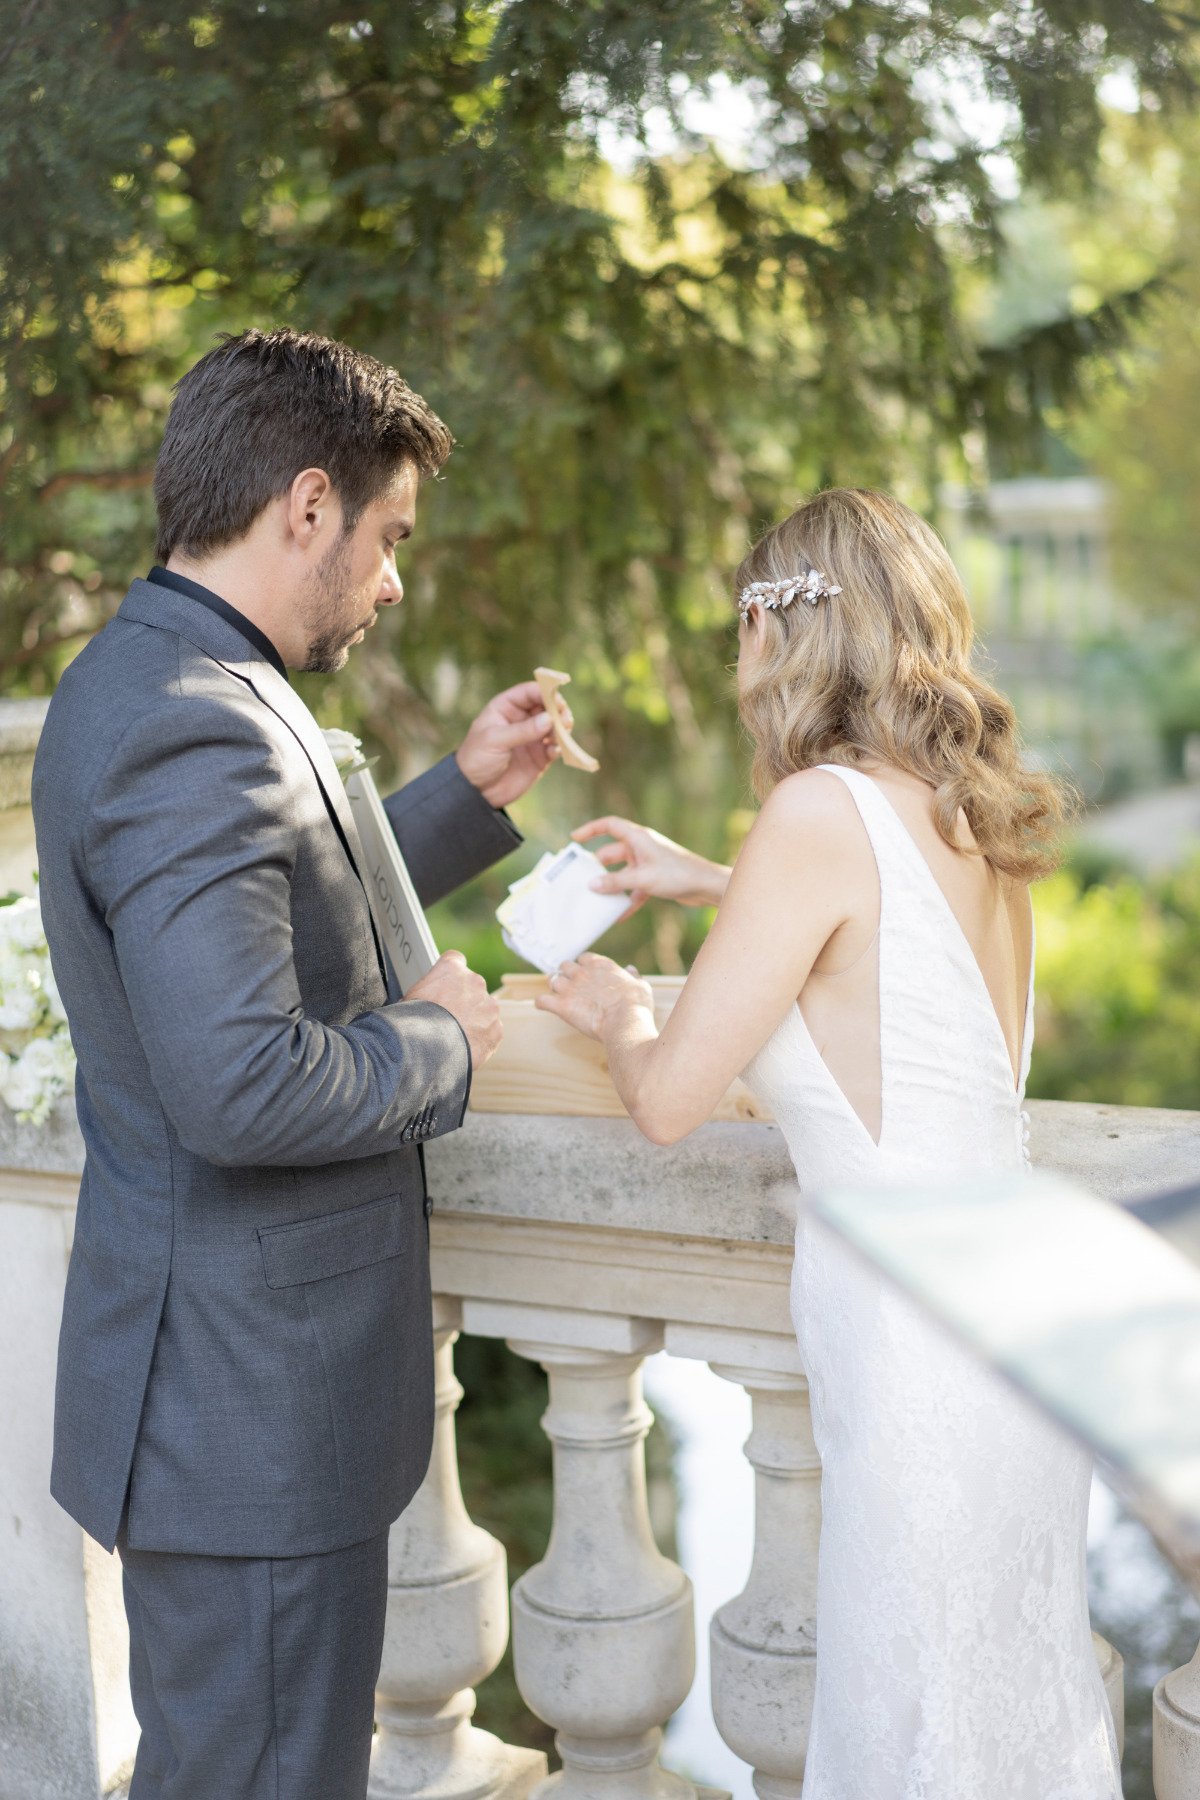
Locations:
(870, 972)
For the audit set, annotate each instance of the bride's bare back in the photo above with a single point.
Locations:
(840, 999)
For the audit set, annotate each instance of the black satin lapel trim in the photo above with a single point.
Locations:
(275, 692)
(289, 707)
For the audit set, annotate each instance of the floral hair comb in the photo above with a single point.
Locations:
(775, 594)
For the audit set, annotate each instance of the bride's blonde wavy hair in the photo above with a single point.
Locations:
(881, 673)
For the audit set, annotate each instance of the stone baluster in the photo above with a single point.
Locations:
(1112, 1673)
(603, 1635)
(763, 1643)
(1176, 1754)
(447, 1628)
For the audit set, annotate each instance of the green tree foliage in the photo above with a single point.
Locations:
(1118, 1003)
(1143, 437)
(648, 331)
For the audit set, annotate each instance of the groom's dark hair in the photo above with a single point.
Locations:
(263, 405)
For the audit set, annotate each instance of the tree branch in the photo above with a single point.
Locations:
(114, 479)
(33, 7)
(10, 456)
(31, 653)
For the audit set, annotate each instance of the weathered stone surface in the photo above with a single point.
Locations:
(724, 1181)
(18, 853)
(21, 724)
(66, 1723)
(55, 1148)
(717, 1183)
(1176, 1754)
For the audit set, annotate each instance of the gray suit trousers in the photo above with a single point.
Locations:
(254, 1678)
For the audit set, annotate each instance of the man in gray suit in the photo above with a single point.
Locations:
(245, 1387)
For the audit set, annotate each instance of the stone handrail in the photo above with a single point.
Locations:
(20, 727)
(586, 1248)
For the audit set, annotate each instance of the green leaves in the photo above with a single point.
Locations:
(1118, 1017)
(661, 269)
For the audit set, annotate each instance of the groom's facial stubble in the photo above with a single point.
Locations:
(356, 575)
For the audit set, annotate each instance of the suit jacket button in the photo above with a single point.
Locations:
(428, 1206)
(406, 1135)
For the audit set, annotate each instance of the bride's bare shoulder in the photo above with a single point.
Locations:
(812, 799)
(810, 825)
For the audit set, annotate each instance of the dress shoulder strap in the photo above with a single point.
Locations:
(902, 868)
(877, 815)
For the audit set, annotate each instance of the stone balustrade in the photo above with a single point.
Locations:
(586, 1249)
(21, 724)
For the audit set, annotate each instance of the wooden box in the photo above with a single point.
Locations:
(544, 1066)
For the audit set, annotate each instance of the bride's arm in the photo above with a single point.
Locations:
(793, 885)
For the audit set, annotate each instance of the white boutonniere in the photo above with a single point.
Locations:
(346, 751)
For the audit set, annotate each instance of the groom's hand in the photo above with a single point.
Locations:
(450, 984)
(510, 745)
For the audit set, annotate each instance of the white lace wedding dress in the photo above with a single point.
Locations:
(954, 1656)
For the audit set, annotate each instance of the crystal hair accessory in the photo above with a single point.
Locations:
(775, 594)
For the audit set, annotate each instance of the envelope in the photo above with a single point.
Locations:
(551, 914)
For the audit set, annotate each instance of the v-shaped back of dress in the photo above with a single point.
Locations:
(948, 1100)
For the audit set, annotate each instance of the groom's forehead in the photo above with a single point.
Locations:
(397, 504)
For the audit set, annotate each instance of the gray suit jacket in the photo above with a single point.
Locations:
(245, 1357)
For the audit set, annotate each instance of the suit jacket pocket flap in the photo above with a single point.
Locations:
(333, 1244)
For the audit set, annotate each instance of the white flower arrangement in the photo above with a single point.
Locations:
(37, 1063)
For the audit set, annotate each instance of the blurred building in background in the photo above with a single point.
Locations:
(1077, 658)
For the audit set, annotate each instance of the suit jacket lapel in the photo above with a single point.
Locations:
(149, 604)
(275, 692)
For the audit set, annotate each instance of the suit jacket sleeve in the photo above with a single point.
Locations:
(189, 849)
(446, 830)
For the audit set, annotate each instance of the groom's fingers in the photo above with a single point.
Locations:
(621, 881)
(525, 698)
(612, 853)
(511, 737)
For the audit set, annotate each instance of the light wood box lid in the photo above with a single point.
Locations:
(544, 1066)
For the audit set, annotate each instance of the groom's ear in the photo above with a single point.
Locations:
(313, 512)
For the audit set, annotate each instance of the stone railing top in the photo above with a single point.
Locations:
(21, 724)
(726, 1181)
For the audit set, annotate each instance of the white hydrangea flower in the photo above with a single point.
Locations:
(37, 1062)
(21, 926)
(21, 999)
(344, 747)
(33, 1081)
(64, 1058)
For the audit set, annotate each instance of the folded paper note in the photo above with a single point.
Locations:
(551, 914)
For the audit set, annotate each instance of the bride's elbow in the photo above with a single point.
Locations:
(660, 1127)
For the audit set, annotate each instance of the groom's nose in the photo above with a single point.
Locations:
(391, 589)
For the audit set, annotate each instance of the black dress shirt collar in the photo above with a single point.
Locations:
(183, 584)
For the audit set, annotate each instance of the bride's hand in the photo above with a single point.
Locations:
(654, 868)
(590, 992)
